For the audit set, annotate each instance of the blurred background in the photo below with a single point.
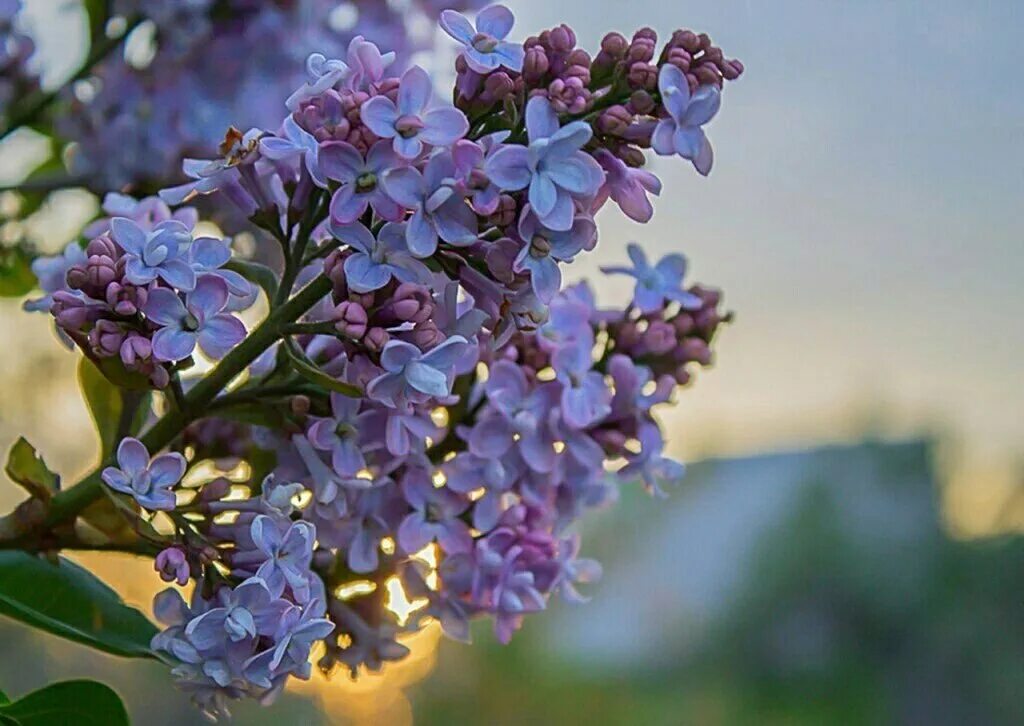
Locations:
(847, 544)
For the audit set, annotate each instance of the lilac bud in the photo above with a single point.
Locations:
(102, 247)
(350, 319)
(643, 75)
(535, 64)
(613, 441)
(299, 405)
(215, 490)
(694, 349)
(427, 335)
(679, 58)
(683, 323)
(497, 86)
(659, 338)
(615, 45)
(135, 348)
(411, 303)
(506, 213)
(70, 311)
(376, 339)
(681, 375)
(642, 102)
(106, 338)
(631, 155)
(614, 120)
(172, 566)
(562, 38)
(708, 75)
(159, 377)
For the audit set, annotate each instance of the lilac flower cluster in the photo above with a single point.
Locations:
(16, 79)
(213, 64)
(440, 412)
(143, 294)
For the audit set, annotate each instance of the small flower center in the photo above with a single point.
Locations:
(190, 323)
(433, 513)
(484, 43)
(366, 182)
(344, 430)
(540, 247)
(408, 126)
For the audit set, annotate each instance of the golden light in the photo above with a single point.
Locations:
(398, 602)
(439, 479)
(353, 589)
(387, 546)
(546, 374)
(439, 416)
(558, 446)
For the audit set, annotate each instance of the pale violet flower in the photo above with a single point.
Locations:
(378, 259)
(554, 168)
(655, 285)
(196, 321)
(485, 46)
(681, 132)
(412, 375)
(409, 122)
(148, 481)
(157, 253)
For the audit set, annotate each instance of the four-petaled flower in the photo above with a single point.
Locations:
(441, 209)
(655, 285)
(409, 122)
(414, 376)
(681, 132)
(628, 187)
(339, 434)
(552, 166)
(435, 515)
(155, 253)
(287, 554)
(585, 396)
(360, 180)
(544, 248)
(485, 46)
(378, 259)
(149, 482)
(197, 320)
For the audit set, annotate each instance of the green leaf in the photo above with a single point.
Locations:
(308, 370)
(256, 273)
(69, 601)
(106, 403)
(16, 276)
(83, 703)
(3, 698)
(28, 469)
(97, 12)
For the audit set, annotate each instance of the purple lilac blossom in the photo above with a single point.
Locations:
(552, 166)
(148, 481)
(680, 132)
(198, 320)
(485, 46)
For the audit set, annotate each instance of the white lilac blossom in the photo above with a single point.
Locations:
(423, 399)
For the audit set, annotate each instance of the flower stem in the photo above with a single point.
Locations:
(66, 504)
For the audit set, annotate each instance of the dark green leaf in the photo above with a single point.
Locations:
(97, 12)
(69, 601)
(16, 276)
(308, 370)
(3, 698)
(28, 469)
(82, 703)
(106, 403)
(256, 273)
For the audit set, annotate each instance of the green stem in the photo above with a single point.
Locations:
(67, 504)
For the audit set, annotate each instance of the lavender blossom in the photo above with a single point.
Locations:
(552, 166)
(378, 259)
(148, 481)
(360, 180)
(411, 375)
(681, 132)
(197, 320)
(658, 284)
(409, 122)
(485, 46)
(153, 254)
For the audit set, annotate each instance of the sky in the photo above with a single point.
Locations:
(863, 218)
